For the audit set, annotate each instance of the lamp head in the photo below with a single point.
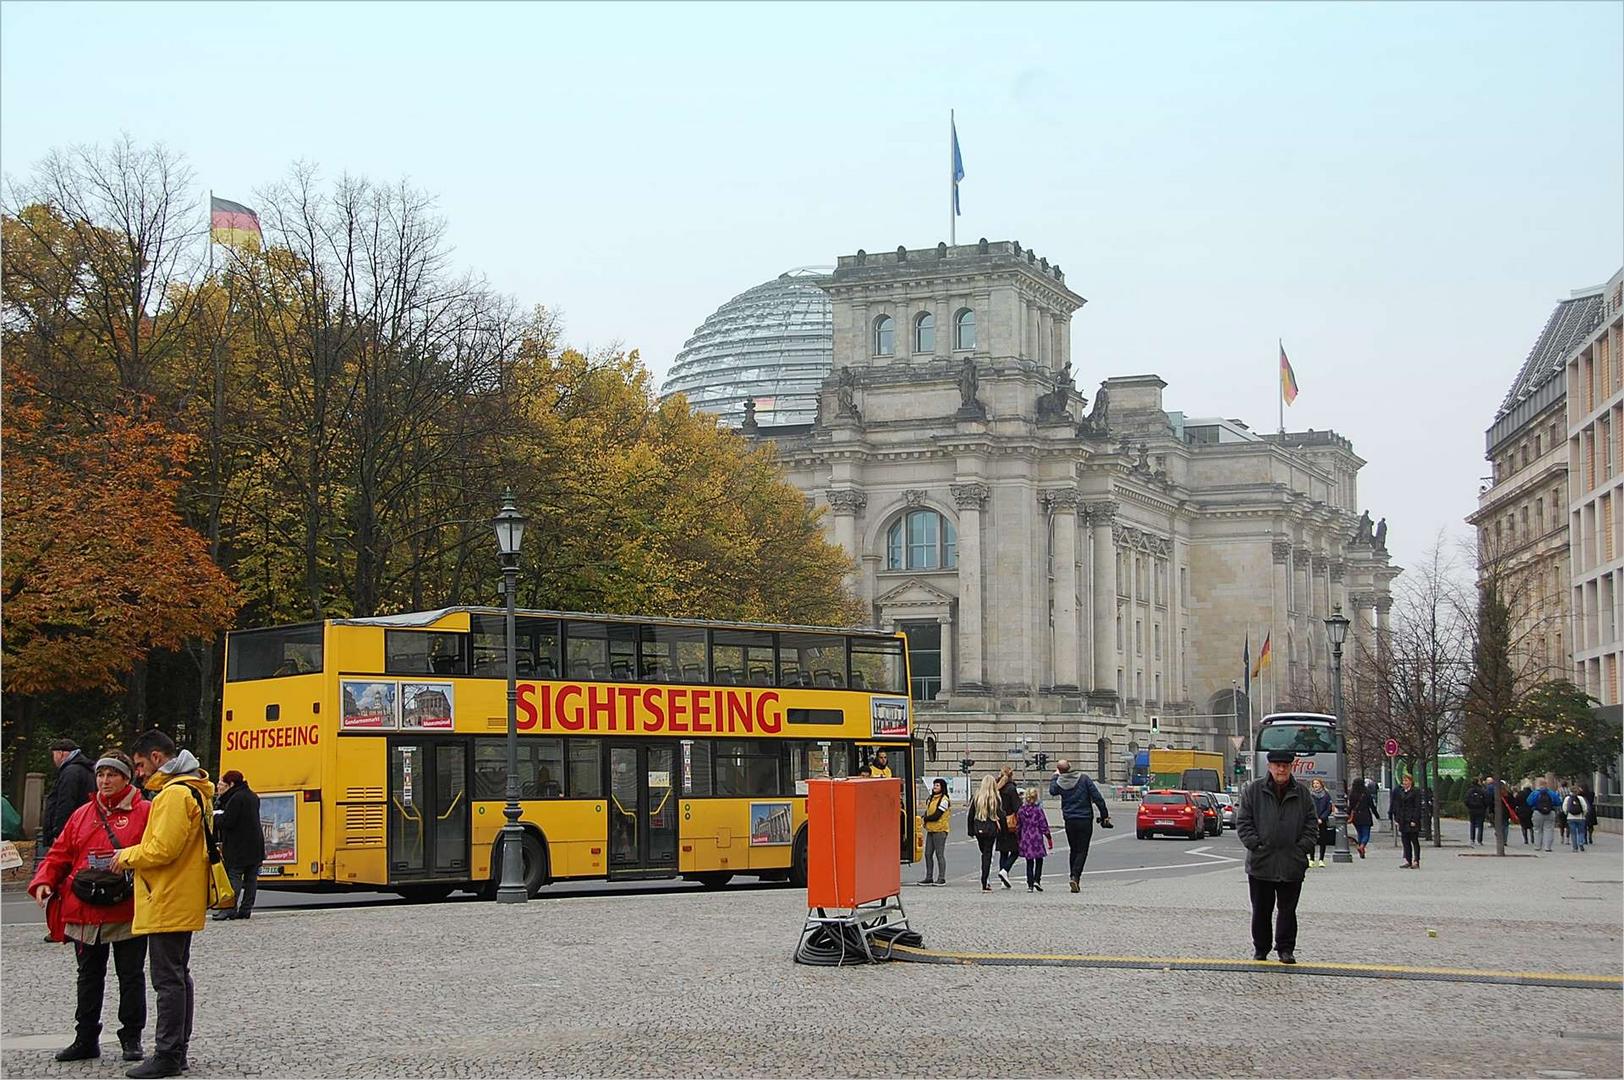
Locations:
(1336, 627)
(509, 525)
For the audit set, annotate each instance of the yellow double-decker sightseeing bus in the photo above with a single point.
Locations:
(648, 748)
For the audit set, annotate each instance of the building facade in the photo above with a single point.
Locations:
(1595, 496)
(1067, 570)
(1522, 510)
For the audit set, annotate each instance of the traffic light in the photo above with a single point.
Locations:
(1155, 725)
(1041, 760)
(966, 764)
(1240, 766)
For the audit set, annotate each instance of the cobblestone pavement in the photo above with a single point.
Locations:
(701, 983)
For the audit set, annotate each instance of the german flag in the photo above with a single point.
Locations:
(1264, 655)
(1288, 378)
(234, 225)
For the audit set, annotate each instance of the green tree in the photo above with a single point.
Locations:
(1569, 739)
(1493, 703)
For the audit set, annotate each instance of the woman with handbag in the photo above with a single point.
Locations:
(1009, 837)
(986, 822)
(96, 905)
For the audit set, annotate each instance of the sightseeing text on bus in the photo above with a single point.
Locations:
(672, 709)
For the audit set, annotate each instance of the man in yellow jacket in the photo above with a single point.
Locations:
(171, 865)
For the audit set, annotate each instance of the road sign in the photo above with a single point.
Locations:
(1391, 746)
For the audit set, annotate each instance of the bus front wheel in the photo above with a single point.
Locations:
(536, 866)
(797, 861)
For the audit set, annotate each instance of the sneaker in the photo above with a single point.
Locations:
(927, 881)
(1003, 876)
(79, 1050)
(985, 887)
(1039, 888)
(1075, 886)
(131, 1049)
(1406, 866)
(1031, 888)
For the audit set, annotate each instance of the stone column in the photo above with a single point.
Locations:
(1061, 505)
(1384, 607)
(847, 504)
(1282, 620)
(1339, 593)
(1045, 352)
(949, 672)
(970, 498)
(1103, 597)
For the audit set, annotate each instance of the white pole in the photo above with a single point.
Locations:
(952, 185)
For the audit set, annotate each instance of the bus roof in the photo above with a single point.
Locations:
(1300, 717)
(428, 618)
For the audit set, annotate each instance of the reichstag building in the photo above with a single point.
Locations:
(1065, 568)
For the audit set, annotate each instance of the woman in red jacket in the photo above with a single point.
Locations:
(114, 818)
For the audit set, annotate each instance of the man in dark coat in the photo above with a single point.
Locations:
(1079, 795)
(1277, 824)
(242, 842)
(75, 781)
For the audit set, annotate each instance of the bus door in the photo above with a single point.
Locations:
(428, 809)
(642, 808)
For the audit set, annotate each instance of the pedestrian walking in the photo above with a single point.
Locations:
(242, 841)
(1277, 825)
(1406, 811)
(1561, 811)
(1542, 804)
(1578, 808)
(985, 824)
(1590, 814)
(1361, 809)
(1035, 838)
(97, 906)
(74, 784)
(937, 809)
(1009, 839)
(1322, 816)
(171, 865)
(1525, 812)
(1079, 795)
(1477, 808)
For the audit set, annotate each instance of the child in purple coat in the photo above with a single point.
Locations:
(1035, 839)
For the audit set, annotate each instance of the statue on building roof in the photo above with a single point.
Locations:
(1095, 423)
(969, 384)
(1381, 534)
(750, 415)
(1363, 535)
(1055, 404)
(846, 395)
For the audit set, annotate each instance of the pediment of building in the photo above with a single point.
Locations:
(914, 593)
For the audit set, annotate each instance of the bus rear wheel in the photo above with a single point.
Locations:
(536, 865)
(797, 861)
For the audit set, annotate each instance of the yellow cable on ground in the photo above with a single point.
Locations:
(1186, 963)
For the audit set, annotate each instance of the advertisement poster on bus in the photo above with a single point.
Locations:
(890, 717)
(279, 823)
(368, 705)
(426, 705)
(769, 823)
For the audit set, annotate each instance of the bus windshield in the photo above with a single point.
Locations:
(1303, 738)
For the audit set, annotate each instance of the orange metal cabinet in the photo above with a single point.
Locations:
(853, 833)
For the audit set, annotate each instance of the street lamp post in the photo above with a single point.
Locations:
(509, 525)
(1336, 628)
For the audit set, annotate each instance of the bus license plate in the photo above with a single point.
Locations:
(270, 871)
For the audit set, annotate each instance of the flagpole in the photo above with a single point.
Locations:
(952, 182)
(1280, 382)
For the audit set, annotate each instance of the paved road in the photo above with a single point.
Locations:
(693, 982)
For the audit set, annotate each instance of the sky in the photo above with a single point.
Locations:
(1401, 193)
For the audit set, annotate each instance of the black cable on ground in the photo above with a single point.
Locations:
(837, 944)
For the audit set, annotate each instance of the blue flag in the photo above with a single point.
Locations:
(958, 167)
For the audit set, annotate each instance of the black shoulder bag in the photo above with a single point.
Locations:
(103, 888)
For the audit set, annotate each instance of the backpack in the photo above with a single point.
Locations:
(1475, 799)
(986, 828)
(1575, 807)
(1543, 802)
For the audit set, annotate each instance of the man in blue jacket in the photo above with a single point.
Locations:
(1078, 797)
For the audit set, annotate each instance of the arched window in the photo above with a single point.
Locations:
(921, 540)
(964, 329)
(884, 336)
(924, 332)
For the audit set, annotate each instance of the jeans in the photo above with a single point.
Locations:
(1006, 859)
(1544, 829)
(1266, 897)
(1078, 834)
(171, 956)
(1363, 832)
(245, 880)
(986, 843)
(1577, 832)
(129, 960)
(1475, 834)
(936, 852)
(1034, 871)
(1412, 847)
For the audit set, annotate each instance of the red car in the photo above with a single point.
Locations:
(1170, 812)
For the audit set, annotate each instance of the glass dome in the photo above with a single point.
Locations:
(773, 343)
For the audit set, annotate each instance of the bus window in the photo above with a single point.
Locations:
(424, 652)
(876, 664)
(699, 769)
(541, 768)
(600, 651)
(810, 659)
(747, 767)
(586, 776)
(1303, 738)
(743, 657)
(264, 654)
(673, 654)
(535, 646)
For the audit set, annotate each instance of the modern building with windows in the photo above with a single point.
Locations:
(1065, 572)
